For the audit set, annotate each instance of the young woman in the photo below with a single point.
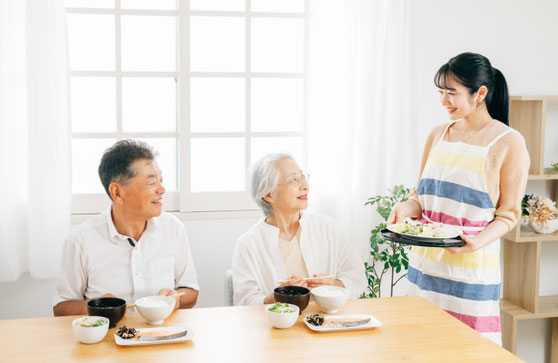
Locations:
(473, 175)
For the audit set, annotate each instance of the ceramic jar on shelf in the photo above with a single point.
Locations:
(548, 227)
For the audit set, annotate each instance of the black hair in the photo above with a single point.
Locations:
(117, 160)
(473, 70)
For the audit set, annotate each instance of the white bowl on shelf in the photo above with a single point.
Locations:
(550, 226)
(155, 309)
(330, 298)
(90, 334)
(282, 320)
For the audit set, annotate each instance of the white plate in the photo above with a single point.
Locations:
(129, 342)
(371, 324)
(449, 232)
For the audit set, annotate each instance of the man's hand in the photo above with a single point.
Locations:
(169, 292)
(74, 307)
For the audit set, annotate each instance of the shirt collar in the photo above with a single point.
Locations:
(116, 237)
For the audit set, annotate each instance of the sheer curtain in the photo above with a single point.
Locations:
(359, 112)
(34, 138)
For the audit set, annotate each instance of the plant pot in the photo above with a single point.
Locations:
(550, 226)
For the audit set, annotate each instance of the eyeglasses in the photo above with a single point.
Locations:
(297, 180)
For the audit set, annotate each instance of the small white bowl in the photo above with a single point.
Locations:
(90, 335)
(155, 309)
(282, 320)
(330, 298)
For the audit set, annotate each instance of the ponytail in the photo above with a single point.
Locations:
(499, 104)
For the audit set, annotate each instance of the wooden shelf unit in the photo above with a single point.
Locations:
(544, 176)
(511, 314)
(522, 233)
(522, 247)
(548, 309)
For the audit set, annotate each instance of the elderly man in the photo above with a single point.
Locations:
(290, 245)
(131, 250)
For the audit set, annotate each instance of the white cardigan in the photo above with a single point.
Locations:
(257, 263)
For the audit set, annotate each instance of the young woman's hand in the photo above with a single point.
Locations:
(469, 245)
(495, 230)
(410, 208)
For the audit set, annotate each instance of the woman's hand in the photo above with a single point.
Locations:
(294, 280)
(495, 230)
(469, 246)
(318, 281)
(410, 208)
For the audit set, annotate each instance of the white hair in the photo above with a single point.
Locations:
(264, 176)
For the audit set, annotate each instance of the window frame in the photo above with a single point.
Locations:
(184, 201)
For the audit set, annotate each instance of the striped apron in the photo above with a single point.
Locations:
(452, 190)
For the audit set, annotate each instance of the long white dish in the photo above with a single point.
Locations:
(132, 342)
(373, 323)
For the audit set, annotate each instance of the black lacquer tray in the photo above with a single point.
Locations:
(397, 238)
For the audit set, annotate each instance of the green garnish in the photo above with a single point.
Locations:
(281, 308)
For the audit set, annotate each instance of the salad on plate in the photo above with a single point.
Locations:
(420, 229)
(424, 230)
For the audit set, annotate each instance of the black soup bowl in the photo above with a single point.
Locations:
(112, 308)
(296, 295)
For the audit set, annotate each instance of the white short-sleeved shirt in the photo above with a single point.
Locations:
(98, 260)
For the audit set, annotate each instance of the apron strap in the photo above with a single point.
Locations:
(499, 137)
(446, 130)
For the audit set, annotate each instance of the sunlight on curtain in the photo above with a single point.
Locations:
(34, 138)
(360, 123)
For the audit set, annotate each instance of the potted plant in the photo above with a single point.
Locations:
(553, 169)
(540, 213)
(386, 256)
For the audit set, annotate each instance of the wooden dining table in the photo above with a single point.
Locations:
(413, 330)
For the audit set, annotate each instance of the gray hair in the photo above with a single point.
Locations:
(264, 176)
(117, 160)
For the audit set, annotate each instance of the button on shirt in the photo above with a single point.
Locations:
(98, 260)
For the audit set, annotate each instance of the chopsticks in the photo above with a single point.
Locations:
(308, 278)
(177, 294)
(173, 295)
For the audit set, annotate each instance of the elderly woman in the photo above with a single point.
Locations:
(290, 245)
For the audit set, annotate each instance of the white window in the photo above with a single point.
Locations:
(211, 84)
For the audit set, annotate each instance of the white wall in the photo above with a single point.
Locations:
(212, 243)
(520, 38)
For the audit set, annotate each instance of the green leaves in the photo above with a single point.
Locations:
(525, 204)
(386, 255)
